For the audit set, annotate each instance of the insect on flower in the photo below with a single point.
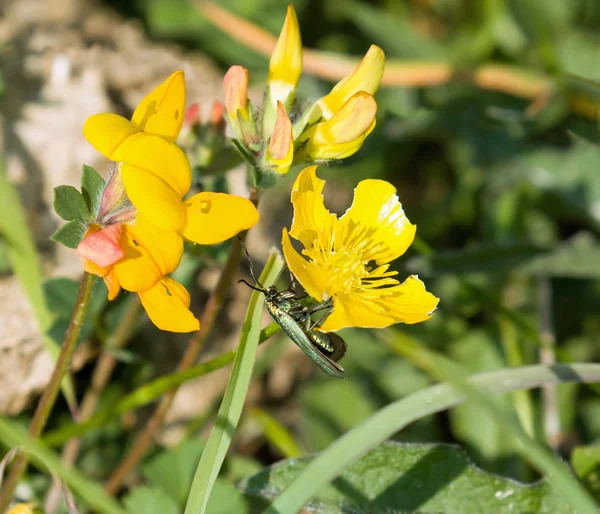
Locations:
(295, 320)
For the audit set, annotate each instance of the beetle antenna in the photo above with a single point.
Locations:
(251, 264)
(251, 286)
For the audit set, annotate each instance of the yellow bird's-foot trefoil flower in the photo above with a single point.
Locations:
(334, 127)
(347, 259)
(132, 227)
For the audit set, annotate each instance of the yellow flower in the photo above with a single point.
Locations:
(156, 175)
(24, 508)
(337, 125)
(348, 258)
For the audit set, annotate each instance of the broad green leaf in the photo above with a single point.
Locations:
(412, 478)
(235, 396)
(71, 233)
(173, 470)
(69, 203)
(372, 432)
(586, 463)
(226, 499)
(150, 500)
(92, 186)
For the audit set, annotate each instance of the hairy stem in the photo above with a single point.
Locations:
(46, 402)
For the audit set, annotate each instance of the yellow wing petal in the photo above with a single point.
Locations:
(285, 65)
(162, 111)
(158, 156)
(377, 221)
(106, 132)
(150, 253)
(167, 305)
(215, 217)
(153, 198)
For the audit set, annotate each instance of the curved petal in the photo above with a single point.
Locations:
(158, 156)
(366, 77)
(162, 111)
(215, 217)
(107, 131)
(375, 224)
(112, 284)
(167, 305)
(313, 223)
(150, 253)
(102, 247)
(312, 277)
(408, 302)
(153, 198)
(285, 65)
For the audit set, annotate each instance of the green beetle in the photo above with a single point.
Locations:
(324, 349)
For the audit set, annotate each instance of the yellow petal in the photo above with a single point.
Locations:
(112, 284)
(167, 305)
(162, 111)
(343, 134)
(150, 253)
(157, 155)
(280, 152)
(366, 77)
(107, 131)
(215, 217)
(408, 302)
(285, 65)
(312, 221)
(376, 223)
(153, 198)
(312, 278)
(235, 84)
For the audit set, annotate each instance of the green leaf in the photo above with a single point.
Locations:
(44, 459)
(226, 499)
(71, 233)
(586, 463)
(410, 478)
(150, 500)
(173, 470)
(92, 187)
(69, 203)
(234, 398)
(372, 432)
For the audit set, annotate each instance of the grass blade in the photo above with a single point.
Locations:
(234, 398)
(397, 415)
(27, 267)
(44, 459)
(147, 393)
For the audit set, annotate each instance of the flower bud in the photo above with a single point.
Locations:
(280, 152)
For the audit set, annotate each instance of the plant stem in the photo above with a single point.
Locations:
(100, 378)
(209, 316)
(551, 416)
(46, 402)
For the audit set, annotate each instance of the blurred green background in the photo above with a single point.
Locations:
(505, 192)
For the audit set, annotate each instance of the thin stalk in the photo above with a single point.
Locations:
(207, 321)
(551, 416)
(46, 402)
(100, 378)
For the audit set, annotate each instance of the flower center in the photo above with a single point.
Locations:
(346, 269)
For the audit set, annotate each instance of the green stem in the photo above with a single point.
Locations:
(235, 396)
(50, 394)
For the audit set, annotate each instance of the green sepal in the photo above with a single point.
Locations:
(263, 179)
(71, 233)
(69, 203)
(92, 187)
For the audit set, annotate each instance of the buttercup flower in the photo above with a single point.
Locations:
(347, 259)
(151, 176)
(335, 127)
